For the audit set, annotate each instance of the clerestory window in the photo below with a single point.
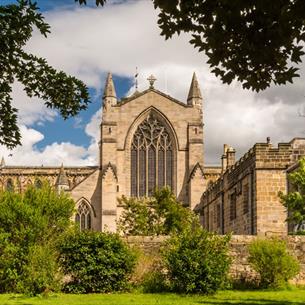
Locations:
(83, 216)
(152, 157)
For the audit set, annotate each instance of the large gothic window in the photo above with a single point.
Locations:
(83, 216)
(152, 159)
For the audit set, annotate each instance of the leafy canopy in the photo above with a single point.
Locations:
(59, 90)
(160, 214)
(256, 42)
(294, 201)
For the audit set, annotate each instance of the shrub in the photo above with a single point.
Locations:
(149, 275)
(155, 282)
(160, 214)
(271, 260)
(30, 222)
(96, 262)
(41, 271)
(197, 261)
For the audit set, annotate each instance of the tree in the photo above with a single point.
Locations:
(160, 214)
(30, 225)
(256, 42)
(59, 91)
(294, 201)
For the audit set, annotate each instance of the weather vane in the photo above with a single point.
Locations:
(151, 80)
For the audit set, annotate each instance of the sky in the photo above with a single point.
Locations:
(89, 41)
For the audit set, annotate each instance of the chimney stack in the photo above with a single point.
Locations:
(230, 156)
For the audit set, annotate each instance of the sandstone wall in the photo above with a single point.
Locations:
(240, 269)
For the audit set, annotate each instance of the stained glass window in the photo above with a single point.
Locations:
(151, 157)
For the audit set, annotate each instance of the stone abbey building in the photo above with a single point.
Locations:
(150, 140)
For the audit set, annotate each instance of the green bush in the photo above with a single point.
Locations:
(30, 222)
(96, 262)
(41, 271)
(271, 260)
(197, 261)
(155, 282)
(160, 214)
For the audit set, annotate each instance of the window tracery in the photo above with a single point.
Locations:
(83, 216)
(152, 157)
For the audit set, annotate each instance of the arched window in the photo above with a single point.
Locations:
(38, 184)
(10, 185)
(152, 159)
(83, 216)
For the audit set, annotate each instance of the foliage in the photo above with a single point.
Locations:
(155, 282)
(96, 262)
(137, 217)
(256, 42)
(294, 202)
(40, 274)
(271, 260)
(197, 261)
(149, 276)
(30, 223)
(60, 91)
(160, 214)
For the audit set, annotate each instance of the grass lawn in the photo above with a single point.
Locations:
(288, 297)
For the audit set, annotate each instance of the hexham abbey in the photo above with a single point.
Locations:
(150, 140)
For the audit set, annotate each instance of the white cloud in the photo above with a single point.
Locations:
(88, 42)
(30, 110)
(53, 154)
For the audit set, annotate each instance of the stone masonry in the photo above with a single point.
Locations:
(238, 249)
(244, 200)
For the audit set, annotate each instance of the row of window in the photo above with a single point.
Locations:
(9, 185)
(217, 213)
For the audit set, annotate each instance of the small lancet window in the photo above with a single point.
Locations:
(10, 185)
(83, 216)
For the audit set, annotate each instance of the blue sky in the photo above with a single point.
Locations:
(88, 42)
(74, 127)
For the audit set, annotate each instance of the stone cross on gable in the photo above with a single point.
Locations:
(151, 80)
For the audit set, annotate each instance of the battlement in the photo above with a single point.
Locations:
(260, 156)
